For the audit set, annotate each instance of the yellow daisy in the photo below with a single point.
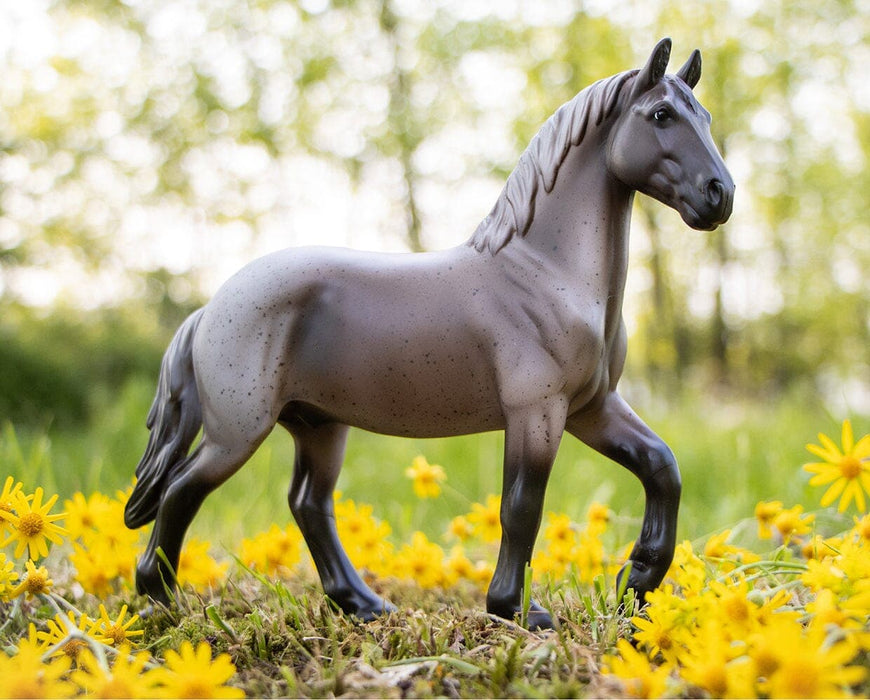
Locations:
(640, 677)
(126, 679)
(32, 525)
(37, 582)
(8, 577)
(191, 673)
(847, 470)
(765, 513)
(7, 497)
(486, 520)
(25, 675)
(117, 632)
(427, 477)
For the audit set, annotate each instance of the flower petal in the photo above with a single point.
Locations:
(862, 448)
(826, 478)
(826, 454)
(847, 438)
(832, 493)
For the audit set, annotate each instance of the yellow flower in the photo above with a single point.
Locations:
(66, 631)
(197, 567)
(765, 512)
(789, 522)
(364, 536)
(459, 528)
(84, 515)
(809, 666)
(126, 679)
(7, 497)
(32, 525)
(191, 673)
(658, 632)
(862, 528)
(486, 520)
(640, 678)
(559, 531)
(847, 470)
(26, 676)
(37, 582)
(688, 570)
(420, 561)
(116, 632)
(712, 664)
(274, 552)
(818, 547)
(598, 516)
(427, 477)
(457, 566)
(97, 567)
(8, 577)
(717, 547)
(588, 556)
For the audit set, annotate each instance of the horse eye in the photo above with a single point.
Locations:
(662, 115)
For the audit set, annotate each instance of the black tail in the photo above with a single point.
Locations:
(174, 421)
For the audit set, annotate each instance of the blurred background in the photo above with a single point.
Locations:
(149, 148)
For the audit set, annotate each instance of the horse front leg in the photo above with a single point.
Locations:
(615, 431)
(531, 440)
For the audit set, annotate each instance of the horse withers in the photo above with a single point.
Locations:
(520, 329)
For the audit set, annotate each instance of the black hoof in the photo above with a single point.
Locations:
(150, 582)
(641, 578)
(372, 614)
(537, 619)
(363, 605)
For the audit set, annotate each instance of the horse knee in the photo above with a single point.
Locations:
(660, 472)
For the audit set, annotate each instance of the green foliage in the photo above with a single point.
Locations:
(59, 369)
(141, 119)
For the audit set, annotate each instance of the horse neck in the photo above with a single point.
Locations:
(581, 226)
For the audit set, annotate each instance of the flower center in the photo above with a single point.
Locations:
(197, 688)
(850, 467)
(73, 647)
(30, 524)
(801, 681)
(117, 634)
(36, 583)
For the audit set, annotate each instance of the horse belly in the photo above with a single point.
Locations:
(393, 385)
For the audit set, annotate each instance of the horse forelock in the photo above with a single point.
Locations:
(539, 164)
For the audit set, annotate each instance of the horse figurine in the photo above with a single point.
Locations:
(520, 329)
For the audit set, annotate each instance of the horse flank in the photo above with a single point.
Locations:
(539, 164)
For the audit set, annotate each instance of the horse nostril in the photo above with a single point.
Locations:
(714, 192)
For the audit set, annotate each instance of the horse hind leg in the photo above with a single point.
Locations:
(206, 468)
(319, 455)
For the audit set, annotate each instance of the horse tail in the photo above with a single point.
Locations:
(174, 421)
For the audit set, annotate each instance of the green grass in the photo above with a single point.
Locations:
(731, 455)
(290, 642)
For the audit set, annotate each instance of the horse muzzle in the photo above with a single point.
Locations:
(710, 205)
(720, 199)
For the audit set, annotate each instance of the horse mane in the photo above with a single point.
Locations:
(539, 164)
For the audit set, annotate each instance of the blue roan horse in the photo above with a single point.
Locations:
(520, 329)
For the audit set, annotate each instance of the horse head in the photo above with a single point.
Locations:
(661, 143)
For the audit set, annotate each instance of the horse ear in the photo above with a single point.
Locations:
(691, 70)
(654, 70)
